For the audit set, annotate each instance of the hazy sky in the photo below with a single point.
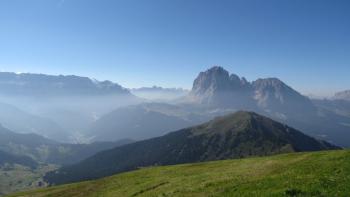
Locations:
(306, 43)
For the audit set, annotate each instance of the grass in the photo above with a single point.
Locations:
(18, 178)
(298, 174)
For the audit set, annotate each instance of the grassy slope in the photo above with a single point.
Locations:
(308, 174)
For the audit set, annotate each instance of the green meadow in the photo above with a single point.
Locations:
(325, 173)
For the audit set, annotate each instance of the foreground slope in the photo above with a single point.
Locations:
(242, 134)
(324, 173)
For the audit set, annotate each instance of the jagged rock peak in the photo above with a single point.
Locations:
(217, 79)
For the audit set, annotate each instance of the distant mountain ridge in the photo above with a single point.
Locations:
(238, 135)
(159, 88)
(344, 95)
(159, 93)
(28, 84)
(58, 107)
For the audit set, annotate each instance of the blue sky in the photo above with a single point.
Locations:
(161, 42)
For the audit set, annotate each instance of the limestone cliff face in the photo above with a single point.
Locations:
(216, 87)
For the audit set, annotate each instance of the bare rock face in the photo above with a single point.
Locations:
(216, 87)
(344, 95)
(211, 81)
(217, 79)
(274, 95)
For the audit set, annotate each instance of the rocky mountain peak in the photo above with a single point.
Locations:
(217, 79)
(272, 94)
(212, 79)
(217, 88)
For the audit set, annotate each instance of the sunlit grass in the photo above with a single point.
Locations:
(298, 174)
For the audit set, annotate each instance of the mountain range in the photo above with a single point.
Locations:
(79, 109)
(344, 95)
(338, 104)
(216, 92)
(58, 107)
(242, 134)
(338, 107)
(217, 88)
(40, 85)
(156, 93)
(126, 132)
